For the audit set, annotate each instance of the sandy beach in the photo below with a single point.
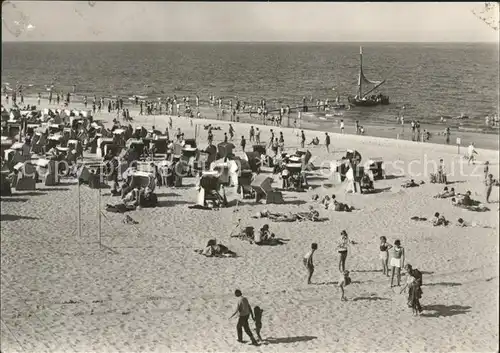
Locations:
(148, 290)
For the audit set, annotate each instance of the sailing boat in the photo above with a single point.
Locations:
(362, 99)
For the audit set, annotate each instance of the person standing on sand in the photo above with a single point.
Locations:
(327, 142)
(38, 99)
(489, 185)
(470, 153)
(231, 132)
(281, 143)
(257, 136)
(486, 170)
(342, 249)
(244, 310)
(252, 134)
(275, 146)
(308, 262)
(413, 283)
(397, 261)
(302, 138)
(342, 126)
(384, 255)
(344, 280)
(243, 143)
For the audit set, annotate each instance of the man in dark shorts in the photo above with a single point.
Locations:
(244, 310)
(308, 262)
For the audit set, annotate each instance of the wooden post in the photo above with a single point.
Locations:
(79, 212)
(99, 210)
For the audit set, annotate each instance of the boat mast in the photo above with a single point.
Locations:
(360, 81)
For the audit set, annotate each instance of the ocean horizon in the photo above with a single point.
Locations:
(430, 79)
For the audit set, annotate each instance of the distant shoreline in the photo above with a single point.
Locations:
(481, 140)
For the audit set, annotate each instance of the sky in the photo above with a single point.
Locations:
(243, 21)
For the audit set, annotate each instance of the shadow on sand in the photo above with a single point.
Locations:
(446, 284)
(170, 203)
(445, 310)
(376, 191)
(166, 194)
(369, 271)
(9, 217)
(455, 182)
(326, 283)
(391, 177)
(55, 189)
(10, 199)
(29, 193)
(369, 298)
(295, 202)
(273, 340)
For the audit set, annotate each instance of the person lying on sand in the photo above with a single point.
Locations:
(216, 250)
(265, 237)
(341, 207)
(314, 141)
(312, 215)
(439, 220)
(411, 184)
(466, 199)
(337, 206)
(476, 207)
(445, 194)
(461, 223)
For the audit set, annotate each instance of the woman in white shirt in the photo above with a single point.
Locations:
(342, 248)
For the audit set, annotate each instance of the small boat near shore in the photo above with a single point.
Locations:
(363, 99)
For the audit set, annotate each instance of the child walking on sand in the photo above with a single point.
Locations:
(345, 280)
(397, 261)
(257, 312)
(308, 262)
(384, 255)
(489, 185)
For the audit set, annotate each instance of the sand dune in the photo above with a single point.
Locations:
(150, 292)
